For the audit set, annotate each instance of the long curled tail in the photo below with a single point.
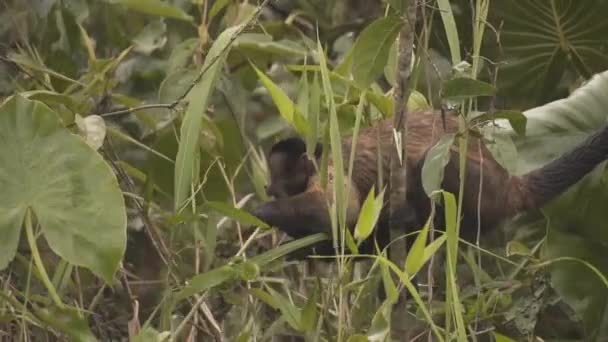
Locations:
(549, 181)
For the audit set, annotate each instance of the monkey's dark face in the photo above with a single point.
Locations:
(289, 174)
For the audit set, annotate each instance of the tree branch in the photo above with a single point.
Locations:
(401, 94)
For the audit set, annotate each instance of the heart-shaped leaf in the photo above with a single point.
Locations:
(577, 219)
(543, 40)
(68, 186)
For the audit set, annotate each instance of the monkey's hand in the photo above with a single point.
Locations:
(297, 222)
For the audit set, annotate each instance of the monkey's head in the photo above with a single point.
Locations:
(290, 168)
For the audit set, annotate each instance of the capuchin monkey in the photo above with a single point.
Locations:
(300, 207)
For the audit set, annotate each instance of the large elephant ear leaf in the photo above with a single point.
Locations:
(577, 219)
(558, 126)
(72, 192)
(541, 41)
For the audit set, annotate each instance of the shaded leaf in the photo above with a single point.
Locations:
(207, 280)
(156, 7)
(258, 42)
(516, 118)
(543, 41)
(371, 49)
(198, 98)
(451, 31)
(152, 37)
(236, 214)
(67, 320)
(290, 312)
(71, 190)
(463, 87)
(434, 163)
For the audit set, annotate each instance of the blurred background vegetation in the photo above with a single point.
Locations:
(182, 98)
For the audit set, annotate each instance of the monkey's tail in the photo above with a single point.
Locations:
(549, 181)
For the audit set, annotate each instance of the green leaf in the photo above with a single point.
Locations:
(551, 130)
(236, 214)
(290, 312)
(149, 334)
(517, 248)
(287, 108)
(463, 87)
(415, 257)
(371, 49)
(368, 215)
(217, 7)
(309, 312)
(391, 63)
(516, 118)
(357, 338)
(544, 43)
(198, 98)
(398, 5)
(433, 247)
(264, 43)
(207, 280)
(336, 147)
(434, 163)
(157, 8)
(502, 338)
(152, 37)
(451, 32)
(71, 190)
(51, 98)
(286, 248)
(380, 328)
(67, 320)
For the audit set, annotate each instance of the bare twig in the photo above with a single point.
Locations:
(398, 156)
(401, 93)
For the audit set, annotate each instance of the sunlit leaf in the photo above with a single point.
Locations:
(415, 256)
(287, 108)
(368, 215)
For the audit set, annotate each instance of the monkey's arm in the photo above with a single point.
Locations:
(298, 216)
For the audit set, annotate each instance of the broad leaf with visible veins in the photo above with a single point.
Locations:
(70, 189)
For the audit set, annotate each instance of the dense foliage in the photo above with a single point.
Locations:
(133, 137)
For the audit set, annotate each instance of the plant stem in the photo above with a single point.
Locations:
(31, 240)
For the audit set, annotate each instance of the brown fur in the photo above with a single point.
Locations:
(502, 195)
